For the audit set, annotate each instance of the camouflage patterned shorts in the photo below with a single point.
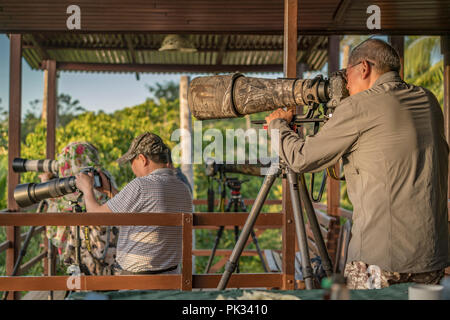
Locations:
(363, 276)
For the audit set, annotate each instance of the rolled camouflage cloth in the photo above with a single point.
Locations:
(98, 253)
(363, 276)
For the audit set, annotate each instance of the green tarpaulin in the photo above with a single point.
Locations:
(394, 292)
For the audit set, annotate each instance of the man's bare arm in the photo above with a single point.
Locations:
(86, 185)
(91, 203)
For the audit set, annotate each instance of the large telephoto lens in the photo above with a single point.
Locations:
(232, 96)
(30, 193)
(44, 165)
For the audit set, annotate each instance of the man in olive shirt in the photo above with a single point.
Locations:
(390, 136)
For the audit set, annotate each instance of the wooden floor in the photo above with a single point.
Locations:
(43, 295)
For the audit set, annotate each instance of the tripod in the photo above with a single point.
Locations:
(78, 266)
(299, 196)
(238, 205)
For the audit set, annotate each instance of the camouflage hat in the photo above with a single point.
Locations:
(147, 144)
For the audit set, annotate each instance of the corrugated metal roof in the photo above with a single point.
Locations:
(213, 49)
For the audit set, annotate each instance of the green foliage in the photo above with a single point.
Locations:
(424, 65)
(3, 129)
(170, 91)
(3, 181)
(110, 133)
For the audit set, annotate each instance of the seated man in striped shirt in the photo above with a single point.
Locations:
(145, 249)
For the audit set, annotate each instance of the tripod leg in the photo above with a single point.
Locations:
(255, 241)
(300, 229)
(249, 223)
(236, 238)
(50, 254)
(78, 246)
(315, 228)
(236, 231)
(213, 252)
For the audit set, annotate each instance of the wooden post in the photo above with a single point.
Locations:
(445, 50)
(186, 141)
(186, 126)
(45, 97)
(333, 186)
(301, 69)
(186, 272)
(15, 106)
(290, 71)
(398, 42)
(49, 113)
(51, 108)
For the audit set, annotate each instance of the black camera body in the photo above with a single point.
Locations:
(97, 177)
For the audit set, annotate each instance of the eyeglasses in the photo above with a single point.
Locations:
(344, 71)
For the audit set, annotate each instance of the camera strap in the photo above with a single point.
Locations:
(87, 240)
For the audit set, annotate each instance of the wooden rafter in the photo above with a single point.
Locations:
(222, 48)
(149, 49)
(38, 47)
(105, 67)
(339, 14)
(130, 46)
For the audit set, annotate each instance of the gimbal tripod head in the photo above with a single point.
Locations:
(235, 184)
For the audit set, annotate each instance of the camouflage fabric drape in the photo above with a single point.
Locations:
(98, 253)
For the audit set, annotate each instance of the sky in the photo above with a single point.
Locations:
(95, 91)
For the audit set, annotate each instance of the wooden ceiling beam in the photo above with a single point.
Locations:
(222, 49)
(137, 49)
(104, 67)
(233, 16)
(39, 48)
(339, 14)
(130, 47)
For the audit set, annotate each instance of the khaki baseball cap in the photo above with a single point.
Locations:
(147, 144)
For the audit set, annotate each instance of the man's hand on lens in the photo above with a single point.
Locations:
(280, 114)
(85, 182)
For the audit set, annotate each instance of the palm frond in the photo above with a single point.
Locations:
(418, 54)
(431, 77)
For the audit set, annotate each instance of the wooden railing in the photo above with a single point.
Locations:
(33, 260)
(184, 281)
